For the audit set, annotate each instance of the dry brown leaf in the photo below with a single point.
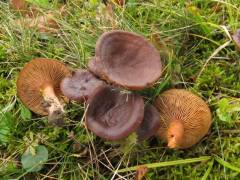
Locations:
(18, 4)
(44, 23)
(216, 7)
(120, 2)
(141, 172)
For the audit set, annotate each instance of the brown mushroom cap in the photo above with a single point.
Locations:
(113, 115)
(126, 59)
(80, 85)
(35, 77)
(151, 123)
(185, 118)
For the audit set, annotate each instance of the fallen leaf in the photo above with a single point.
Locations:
(216, 7)
(120, 2)
(141, 172)
(18, 4)
(44, 23)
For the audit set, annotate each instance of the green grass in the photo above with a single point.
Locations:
(194, 40)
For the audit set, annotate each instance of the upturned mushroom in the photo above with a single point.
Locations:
(113, 115)
(80, 85)
(126, 59)
(185, 118)
(38, 87)
(150, 124)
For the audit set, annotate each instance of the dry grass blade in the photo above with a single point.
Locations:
(169, 163)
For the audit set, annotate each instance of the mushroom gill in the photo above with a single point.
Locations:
(185, 118)
(38, 86)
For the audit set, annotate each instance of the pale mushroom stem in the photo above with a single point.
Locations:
(175, 134)
(54, 106)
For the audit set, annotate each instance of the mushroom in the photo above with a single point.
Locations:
(185, 118)
(126, 59)
(236, 38)
(113, 115)
(38, 87)
(151, 123)
(80, 85)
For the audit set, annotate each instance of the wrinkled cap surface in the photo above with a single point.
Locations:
(113, 115)
(151, 123)
(37, 74)
(80, 85)
(126, 59)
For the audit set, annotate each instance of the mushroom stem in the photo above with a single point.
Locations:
(53, 105)
(175, 134)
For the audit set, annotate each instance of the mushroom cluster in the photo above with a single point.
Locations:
(123, 61)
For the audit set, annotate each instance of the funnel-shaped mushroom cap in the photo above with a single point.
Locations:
(38, 80)
(80, 85)
(185, 118)
(151, 123)
(126, 59)
(113, 115)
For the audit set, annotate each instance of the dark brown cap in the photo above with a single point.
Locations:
(113, 115)
(151, 123)
(80, 85)
(126, 59)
